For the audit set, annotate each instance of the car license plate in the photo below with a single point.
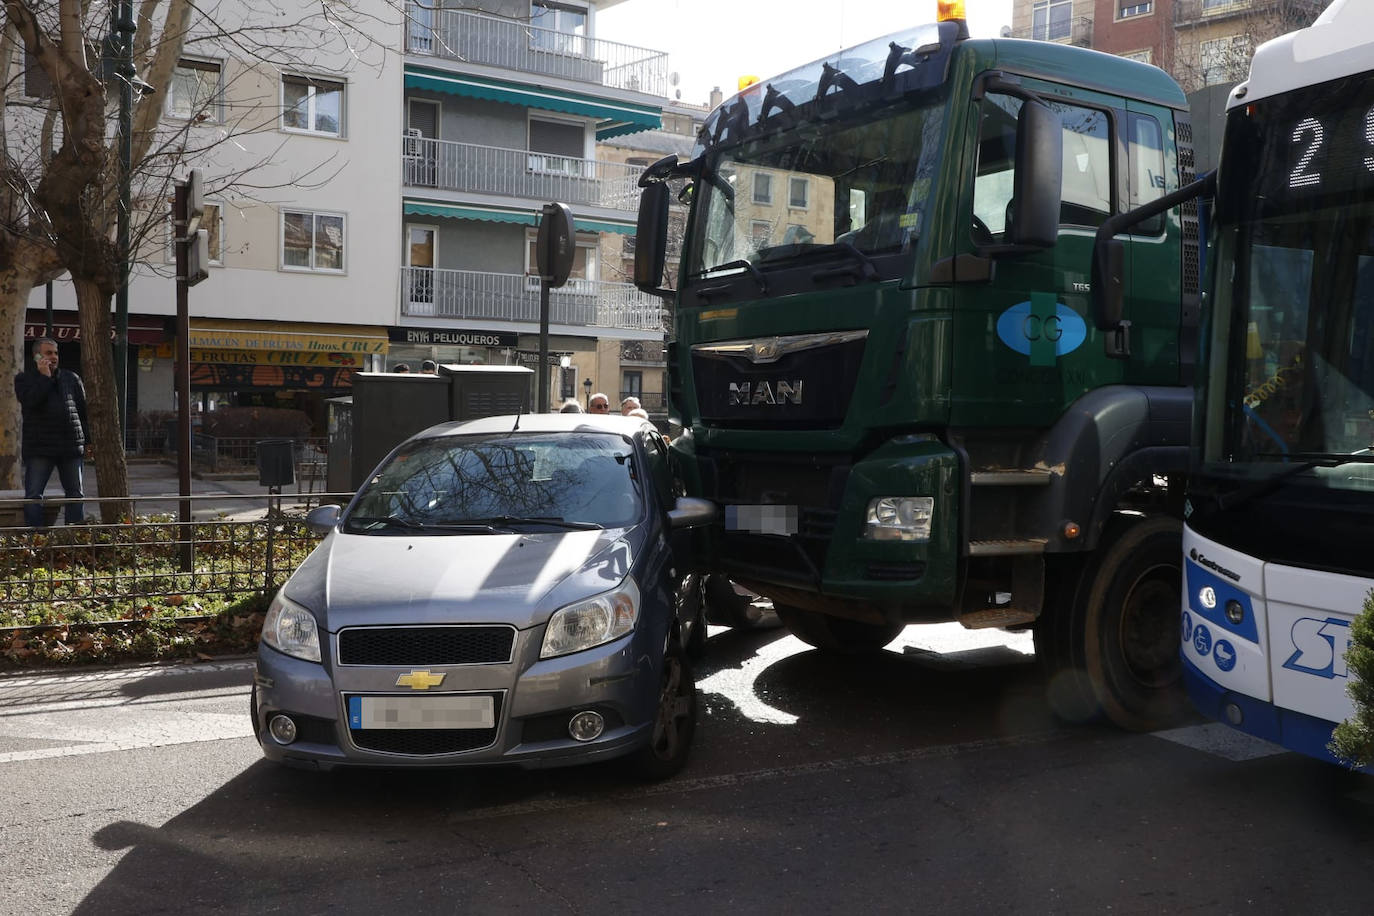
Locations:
(440, 711)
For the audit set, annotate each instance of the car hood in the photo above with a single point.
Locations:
(520, 579)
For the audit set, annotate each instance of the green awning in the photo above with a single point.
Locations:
(615, 118)
(498, 215)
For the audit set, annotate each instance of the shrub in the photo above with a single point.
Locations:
(1353, 740)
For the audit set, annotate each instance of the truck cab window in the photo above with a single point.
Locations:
(1147, 169)
(1086, 200)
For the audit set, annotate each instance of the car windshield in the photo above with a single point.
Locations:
(518, 481)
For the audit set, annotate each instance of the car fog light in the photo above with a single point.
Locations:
(1233, 714)
(283, 729)
(1235, 611)
(586, 726)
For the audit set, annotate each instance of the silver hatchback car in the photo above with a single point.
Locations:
(505, 590)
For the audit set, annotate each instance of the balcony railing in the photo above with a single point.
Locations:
(433, 293)
(451, 166)
(512, 45)
(1077, 31)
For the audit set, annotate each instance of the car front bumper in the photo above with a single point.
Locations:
(534, 699)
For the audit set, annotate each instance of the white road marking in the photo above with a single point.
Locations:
(89, 713)
(1221, 741)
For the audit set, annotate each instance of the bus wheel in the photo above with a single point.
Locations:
(836, 634)
(1109, 635)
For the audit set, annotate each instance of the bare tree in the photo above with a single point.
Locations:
(1215, 44)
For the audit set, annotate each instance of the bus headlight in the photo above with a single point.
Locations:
(900, 518)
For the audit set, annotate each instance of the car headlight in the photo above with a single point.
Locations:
(900, 518)
(592, 622)
(291, 629)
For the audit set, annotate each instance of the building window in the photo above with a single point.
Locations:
(312, 240)
(1145, 56)
(1131, 8)
(759, 232)
(797, 193)
(631, 384)
(763, 188)
(558, 27)
(1223, 59)
(1220, 4)
(196, 91)
(312, 105)
(1051, 20)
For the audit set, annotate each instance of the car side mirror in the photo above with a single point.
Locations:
(322, 519)
(690, 512)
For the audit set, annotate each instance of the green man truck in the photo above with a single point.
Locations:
(887, 369)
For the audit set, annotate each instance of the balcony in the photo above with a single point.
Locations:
(450, 166)
(471, 294)
(1077, 32)
(1286, 14)
(472, 38)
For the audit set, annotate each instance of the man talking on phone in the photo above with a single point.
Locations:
(55, 431)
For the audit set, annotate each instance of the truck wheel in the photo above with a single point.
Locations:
(1108, 639)
(836, 634)
(727, 608)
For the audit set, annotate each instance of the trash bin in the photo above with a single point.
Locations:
(276, 465)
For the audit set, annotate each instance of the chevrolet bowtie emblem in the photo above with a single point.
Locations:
(420, 679)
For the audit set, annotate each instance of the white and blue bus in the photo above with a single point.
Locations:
(1279, 535)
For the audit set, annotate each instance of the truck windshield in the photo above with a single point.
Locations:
(856, 189)
(1292, 372)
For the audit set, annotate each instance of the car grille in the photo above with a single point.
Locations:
(441, 645)
(424, 742)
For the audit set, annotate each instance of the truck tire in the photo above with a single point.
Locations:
(836, 634)
(1108, 638)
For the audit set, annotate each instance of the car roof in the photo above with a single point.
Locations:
(542, 423)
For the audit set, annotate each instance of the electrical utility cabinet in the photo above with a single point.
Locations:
(388, 407)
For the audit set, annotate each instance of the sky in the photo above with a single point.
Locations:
(714, 42)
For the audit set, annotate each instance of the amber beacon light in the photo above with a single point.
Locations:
(950, 10)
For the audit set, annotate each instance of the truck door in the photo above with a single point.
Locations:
(1025, 345)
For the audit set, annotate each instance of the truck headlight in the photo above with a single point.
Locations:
(291, 629)
(900, 518)
(592, 622)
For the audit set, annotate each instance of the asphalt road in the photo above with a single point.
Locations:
(910, 781)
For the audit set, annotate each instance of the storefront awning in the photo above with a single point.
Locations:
(499, 215)
(615, 118)
(222, 334)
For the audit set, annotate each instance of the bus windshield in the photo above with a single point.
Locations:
(1292, 318)
(854, 188)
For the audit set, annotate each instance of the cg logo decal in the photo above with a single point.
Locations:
(1020, 328)
(1320, 646)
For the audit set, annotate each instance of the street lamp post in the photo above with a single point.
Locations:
(587, 393)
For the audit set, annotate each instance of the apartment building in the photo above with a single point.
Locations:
(375, 197)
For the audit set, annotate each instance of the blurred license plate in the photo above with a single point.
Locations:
(762, 519)
(442, 711)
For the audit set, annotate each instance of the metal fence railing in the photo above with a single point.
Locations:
(428, 291)
(513, 45)
(234, 545)
(230, 454)
(453, 166)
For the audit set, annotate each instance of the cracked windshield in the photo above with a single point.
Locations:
(1302, 338)
(506, 483)
(816, 189)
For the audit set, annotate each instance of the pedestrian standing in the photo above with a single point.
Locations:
(53, 406)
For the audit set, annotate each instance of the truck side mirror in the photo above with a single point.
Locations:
(1038, 185)
(651, 236)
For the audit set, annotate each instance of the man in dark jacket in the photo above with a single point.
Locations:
(55, 425)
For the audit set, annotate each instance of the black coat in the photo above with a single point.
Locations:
(54, 409)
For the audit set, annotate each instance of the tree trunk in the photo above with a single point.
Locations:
(14, 297)
(102, 407)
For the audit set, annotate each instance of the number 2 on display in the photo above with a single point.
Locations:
(1311, 133)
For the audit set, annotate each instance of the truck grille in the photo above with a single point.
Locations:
(804, 381)
(434, 645)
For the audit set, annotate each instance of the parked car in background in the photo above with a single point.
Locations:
(504, 590)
